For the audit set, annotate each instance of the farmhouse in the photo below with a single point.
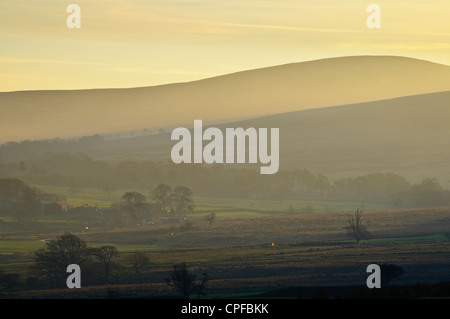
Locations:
(83, 209)
(51, 208)
(45, 207)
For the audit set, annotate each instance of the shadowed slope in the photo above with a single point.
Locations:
(247, 94)
(409, 136)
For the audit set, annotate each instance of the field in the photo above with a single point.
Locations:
(224, 207)
(252, 248)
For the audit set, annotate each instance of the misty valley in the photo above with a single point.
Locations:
(226, 223)
(300, 177)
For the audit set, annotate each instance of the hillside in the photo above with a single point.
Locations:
(408, 136)
(247, 94)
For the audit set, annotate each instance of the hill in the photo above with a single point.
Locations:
(408, 136)
(247, 94)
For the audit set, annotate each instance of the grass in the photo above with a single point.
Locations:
(235, 295)
(408, 240)
(20, 246)
(310, 248)
(285, 206)
(250, 270)
(128, 248)
(227, 207)
(91, 196)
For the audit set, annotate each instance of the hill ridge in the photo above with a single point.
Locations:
(231, 97)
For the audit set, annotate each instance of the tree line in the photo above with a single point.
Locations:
(39, 149)
(136, 207)
(98, 266)
(76, 171)
(25, 202)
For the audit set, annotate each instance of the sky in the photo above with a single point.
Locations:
(133, 43)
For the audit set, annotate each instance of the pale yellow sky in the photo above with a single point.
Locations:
(129, 43)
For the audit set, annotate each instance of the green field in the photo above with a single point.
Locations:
(84, 195)
(435, 238)
(225, 207)
(253, 247)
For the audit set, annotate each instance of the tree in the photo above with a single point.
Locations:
(182, 197)
(138, 260)
(202, 285)
(105, 255)
(162, 195)
(28, 205)
(52, 261)
(134, 205)
(108, 190)
(184, 281)
(429, 193)
(9, 282)
(355, 228)
(134, 198)
(22, 166)
(211, 218)
(11, 188)
(73, 188)
(390, 272)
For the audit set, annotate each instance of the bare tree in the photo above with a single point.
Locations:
(184, 281)
(355, 227)
(202, 285)
(105, 255)
(138, 260)
(211, 218)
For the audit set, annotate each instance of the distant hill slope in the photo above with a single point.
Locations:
(409, 136)
(247, 94)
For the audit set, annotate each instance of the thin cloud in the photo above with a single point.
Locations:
(19, 60)
(289, 28)
(416, 46)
